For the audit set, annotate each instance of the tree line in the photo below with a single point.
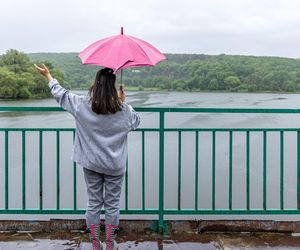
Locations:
(192, 72)
(18, 78)
(181, 72)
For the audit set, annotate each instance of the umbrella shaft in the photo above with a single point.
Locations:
(121, 76)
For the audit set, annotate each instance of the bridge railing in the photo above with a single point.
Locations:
(162, 130)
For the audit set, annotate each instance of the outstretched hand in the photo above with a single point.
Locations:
(44, 71)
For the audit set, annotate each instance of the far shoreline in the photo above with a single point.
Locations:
(159, 91)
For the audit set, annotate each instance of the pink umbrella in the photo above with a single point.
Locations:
(121, 51)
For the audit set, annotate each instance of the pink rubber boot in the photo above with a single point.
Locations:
(94, 232)
(110, 236)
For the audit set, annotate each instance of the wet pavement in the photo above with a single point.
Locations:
(60, 245)
(184, 241)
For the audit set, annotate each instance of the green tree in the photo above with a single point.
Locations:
(15, 61)
(232, 82)
(18, 79)
(213, 84)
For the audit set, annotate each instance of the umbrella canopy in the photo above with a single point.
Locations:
(121, 51)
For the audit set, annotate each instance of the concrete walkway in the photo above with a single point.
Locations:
(63, 245)
(42, 244)
(205, 241)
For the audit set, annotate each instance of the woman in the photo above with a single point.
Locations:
(103, 121)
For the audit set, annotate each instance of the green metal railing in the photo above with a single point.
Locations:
(161, 211)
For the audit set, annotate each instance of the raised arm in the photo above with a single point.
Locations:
(67, 100)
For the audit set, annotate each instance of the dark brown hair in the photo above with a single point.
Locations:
(103, 93)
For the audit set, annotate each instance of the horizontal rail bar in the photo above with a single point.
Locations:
(33, 109)
(162, 109)
(71, 211)
(170, 129)
(230, 129)
(37, 129)
(232, 212)
(156, 211)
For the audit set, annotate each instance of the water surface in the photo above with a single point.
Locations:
(151, 120)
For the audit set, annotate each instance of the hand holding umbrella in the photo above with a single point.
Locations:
(122, 93)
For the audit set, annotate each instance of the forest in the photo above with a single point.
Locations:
(192, 72)
(181, 72)
(19, 79)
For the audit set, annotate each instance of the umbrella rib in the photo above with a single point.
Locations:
(144, 52)
(130, 57)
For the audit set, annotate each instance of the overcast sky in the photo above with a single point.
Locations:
(247, 27)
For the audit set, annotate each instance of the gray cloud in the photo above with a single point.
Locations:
(256, 27)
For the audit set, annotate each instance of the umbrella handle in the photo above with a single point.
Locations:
(122, 94)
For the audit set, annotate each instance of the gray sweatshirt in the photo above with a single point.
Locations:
(100, 140)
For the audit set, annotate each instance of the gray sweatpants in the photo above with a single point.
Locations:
(102, 190)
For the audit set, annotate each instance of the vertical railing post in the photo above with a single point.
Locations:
(6, 169)
(298, 169)
(57, 170)
(248, 169)
(143, 170)
(179, 171)
(74, 180)
(196, 168)
(265, 170)
(41, 168)
(230, 169)
(281, 170)
(161, 172)
(23, 170)
(126, 185)
(213, 205)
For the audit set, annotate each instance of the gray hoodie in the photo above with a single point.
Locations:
(100, 140)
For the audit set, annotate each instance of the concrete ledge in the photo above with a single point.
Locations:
(175, 226)
(249, 226)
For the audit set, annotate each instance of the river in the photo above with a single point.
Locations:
(150, 120)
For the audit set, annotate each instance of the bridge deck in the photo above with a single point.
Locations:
(151, 241)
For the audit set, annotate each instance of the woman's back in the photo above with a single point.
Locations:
(101, 140)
